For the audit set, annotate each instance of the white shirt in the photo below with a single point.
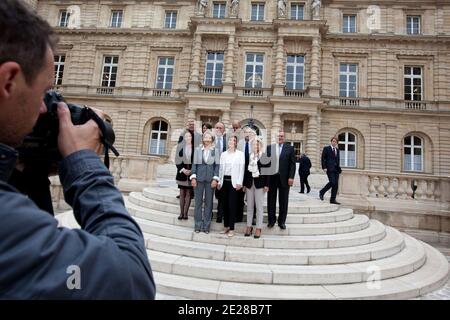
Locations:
(228, 161)
(206, 153)
(232, 164)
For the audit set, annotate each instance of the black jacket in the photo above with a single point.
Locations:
(260, 182)
(287, 162)
(330, 161)
(182, 162)
(304, 166)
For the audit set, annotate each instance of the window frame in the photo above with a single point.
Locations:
(219, 3)
(172, 24)
(254, 63)
(165, 75)
(58, 70)
(344, 153)
(111, 65)
(411, 76)
(348, 74)
(349, 30)
(214, 62)
(412, 146)
(297, 4)
(295, 65)
(410, 31)
(63, 23)
(158, 139)
(258, 11)
(112, 18)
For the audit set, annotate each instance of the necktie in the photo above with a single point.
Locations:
(246, 148)
(335, 152)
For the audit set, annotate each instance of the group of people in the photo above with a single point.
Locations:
(237, 165)
(233, 166)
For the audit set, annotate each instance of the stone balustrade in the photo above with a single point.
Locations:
(405, 186)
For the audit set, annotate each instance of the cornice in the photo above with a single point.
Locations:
(387, 37)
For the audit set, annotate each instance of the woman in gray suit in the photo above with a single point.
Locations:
(204, 178)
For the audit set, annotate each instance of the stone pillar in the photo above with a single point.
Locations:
(276, 126)
(229, 64)
(226, 118)
(195, 69)
(279, 68)
(313, 141)
(315, 68)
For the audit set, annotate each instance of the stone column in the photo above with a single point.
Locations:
(279, 68)
(313, 141)
(315, 67)
(276, 126)
(229, 64)
(195, 69)
(226, 118)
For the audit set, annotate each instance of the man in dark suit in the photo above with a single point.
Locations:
(282, 159)
(304, 172)
(221, 146)
(330, 163)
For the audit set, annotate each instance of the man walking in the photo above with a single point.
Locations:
(330, 164)
(304, 172)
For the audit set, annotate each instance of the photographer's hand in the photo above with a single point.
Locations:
(75, 138)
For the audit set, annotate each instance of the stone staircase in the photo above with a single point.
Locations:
(326, 252)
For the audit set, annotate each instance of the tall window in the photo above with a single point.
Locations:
(295, 72)
(171, 20)
(257, 12)
(413, 83)
(116, 18)
(214, 69)
(110, 66)
(158, 137)
(347, 148)
(164, 77)
(59, 68)
(64, 16)
(412, 153)
(413, 24)
(348, 80)
(297, 10)
(349, 23)
(219, 9)
(254, 70)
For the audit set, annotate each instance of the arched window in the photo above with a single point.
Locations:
(412, 153)
(158, 138)
(347, 148)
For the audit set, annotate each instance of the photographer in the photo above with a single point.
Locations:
(106, 258)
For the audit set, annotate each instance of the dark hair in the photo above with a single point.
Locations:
(334, 138)
(24, 37)
(235, 140)
(207, 125)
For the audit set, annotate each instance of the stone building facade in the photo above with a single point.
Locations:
(375, 73)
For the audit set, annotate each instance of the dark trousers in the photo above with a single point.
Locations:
(303, 182)
(229, 201)
(218, 194)
(283, 200)
(333, 183)
(240, 205)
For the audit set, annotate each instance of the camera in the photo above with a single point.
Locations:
(41, 145)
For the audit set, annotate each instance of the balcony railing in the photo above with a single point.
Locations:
(294, 93)
(212, 89)
(161, 92)
(105, 91)
(349, 102)
(416, 105)
(253, 92)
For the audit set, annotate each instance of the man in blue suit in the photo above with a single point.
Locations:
(330, 164)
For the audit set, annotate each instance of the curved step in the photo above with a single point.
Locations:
(375, 231)
(402, 263)
(432, 275)
(388, 246)
(147, 199)
(341, 214)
